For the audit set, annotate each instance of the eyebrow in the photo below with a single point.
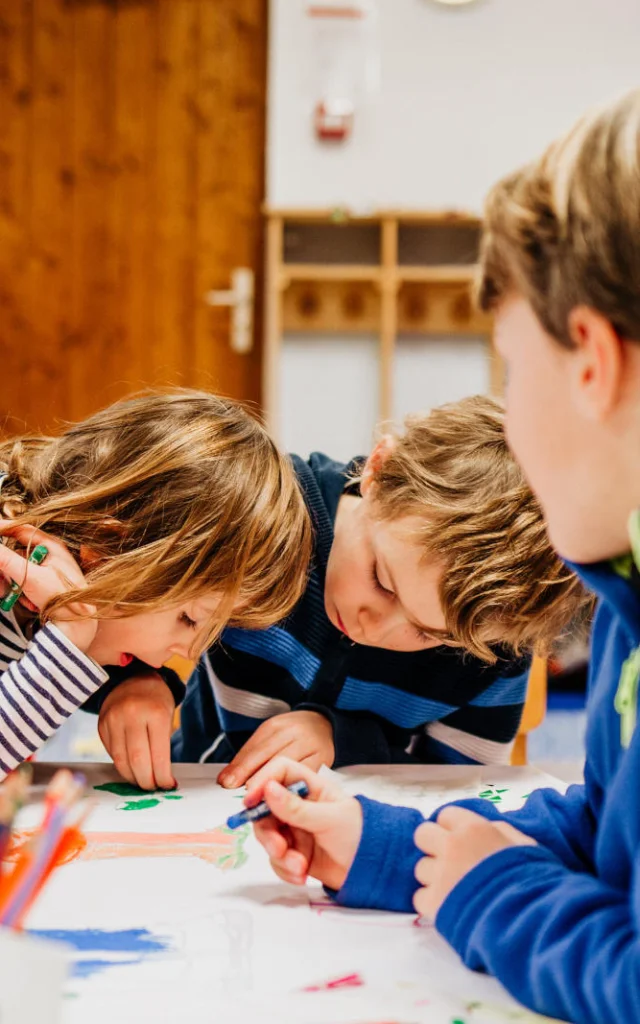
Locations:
(432, 630)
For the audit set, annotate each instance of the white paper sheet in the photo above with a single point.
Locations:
(173, 919)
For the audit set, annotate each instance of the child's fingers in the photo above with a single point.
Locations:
(429, 838)
(295, 862)
(284, 770)
(293, 867)
(29, 536)
(269, 835)
(453, 818)
(292, 878)
(424, 870)
(160, 747)
(291, 752)
(312, 761)
(139, 756)
(116, 747)
(422, 903)
(12, 565)
(308, 815)
(252, 756)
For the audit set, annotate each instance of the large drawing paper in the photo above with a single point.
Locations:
(170, 917)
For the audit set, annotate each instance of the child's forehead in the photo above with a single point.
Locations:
(403, 544)
(207, 601)
(403, 533)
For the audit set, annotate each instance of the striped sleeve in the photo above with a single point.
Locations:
(480, 732)
(39, 691)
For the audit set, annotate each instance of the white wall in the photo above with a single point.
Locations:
(466, 94)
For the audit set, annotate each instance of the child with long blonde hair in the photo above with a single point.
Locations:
(160, 520)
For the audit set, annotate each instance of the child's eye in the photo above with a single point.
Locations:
(376, 582)
(187, 620)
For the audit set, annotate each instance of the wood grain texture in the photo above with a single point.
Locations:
(131, 183)
(229, 117)
(16, 31)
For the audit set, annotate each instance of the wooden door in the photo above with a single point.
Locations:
(131, 182)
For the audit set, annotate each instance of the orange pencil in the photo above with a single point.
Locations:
(34, 864)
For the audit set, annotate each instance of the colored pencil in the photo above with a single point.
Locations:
(41, 854)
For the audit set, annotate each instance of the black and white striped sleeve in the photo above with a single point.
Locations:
(39, 690)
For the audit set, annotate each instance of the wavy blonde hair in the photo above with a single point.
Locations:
(174, 493)
(565, 230)
(502, 582)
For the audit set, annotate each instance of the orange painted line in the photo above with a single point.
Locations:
(214, 846)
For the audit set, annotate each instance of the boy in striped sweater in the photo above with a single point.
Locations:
(431, 582)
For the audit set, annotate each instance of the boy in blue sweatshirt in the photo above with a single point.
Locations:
(546, 898)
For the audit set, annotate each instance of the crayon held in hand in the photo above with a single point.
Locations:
(261, 810)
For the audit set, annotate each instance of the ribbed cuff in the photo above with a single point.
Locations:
(382, 874)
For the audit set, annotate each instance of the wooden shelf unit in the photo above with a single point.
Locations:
(333, 272)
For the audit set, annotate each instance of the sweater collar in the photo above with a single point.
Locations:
(617, 582)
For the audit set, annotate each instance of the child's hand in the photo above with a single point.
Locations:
(316, 837)
(135, 726)
(303, 736)
(456, 843)
(58, 574)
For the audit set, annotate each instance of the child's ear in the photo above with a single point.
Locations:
(376, 460)
(110, 528)
(600, 363)
(89, 559)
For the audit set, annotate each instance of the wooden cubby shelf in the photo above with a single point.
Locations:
(388, 273)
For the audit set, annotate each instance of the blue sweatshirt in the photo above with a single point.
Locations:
(557, 924)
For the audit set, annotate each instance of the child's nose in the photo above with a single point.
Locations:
(372, 622)
(180, 647)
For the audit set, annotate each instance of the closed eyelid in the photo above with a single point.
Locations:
(424, 632)
(387, 590)
(377, 564)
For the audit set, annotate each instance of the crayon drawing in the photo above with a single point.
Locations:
(137, 799)
(120, 947)
(170, 916)
(221, 846)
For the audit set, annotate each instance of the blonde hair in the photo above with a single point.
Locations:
(173, 493)
(565, 230)
(501, 580)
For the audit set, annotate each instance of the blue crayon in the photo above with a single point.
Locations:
(261, 810)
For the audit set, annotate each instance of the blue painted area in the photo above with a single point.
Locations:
(138, 942)
(87, 968)
(133, 940)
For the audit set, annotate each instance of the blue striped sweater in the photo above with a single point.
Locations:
(43, 681)
(436, 705)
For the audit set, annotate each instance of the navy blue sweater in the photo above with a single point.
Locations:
(559, 923)
(435, 705)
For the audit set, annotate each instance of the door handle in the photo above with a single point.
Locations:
(240, 298)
